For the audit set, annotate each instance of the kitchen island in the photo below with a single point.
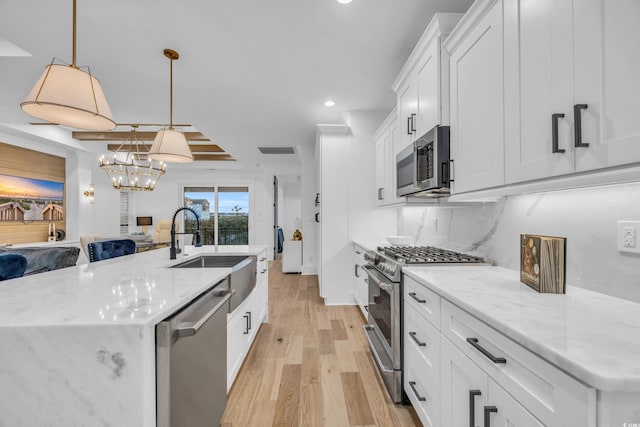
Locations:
(78, 344)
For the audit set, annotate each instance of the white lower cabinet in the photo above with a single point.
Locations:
(243, 324)
(473, 399)
(459, 372)
(361, 288)
(502, 410)
(464, 386)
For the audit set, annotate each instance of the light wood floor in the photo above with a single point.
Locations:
(310, 366)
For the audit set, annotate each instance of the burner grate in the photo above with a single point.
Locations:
(427, 255)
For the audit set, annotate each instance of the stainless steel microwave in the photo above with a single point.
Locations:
(422, 169)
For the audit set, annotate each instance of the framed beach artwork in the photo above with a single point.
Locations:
(28, 199)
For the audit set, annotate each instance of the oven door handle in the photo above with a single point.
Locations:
(385, 286)
(385, 369)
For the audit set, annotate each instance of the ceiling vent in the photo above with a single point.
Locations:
(277, 150)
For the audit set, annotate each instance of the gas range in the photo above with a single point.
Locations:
(389, 260)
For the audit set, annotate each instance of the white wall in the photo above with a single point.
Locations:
(586, 217)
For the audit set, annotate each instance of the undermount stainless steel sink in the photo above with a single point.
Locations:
(243, 272)
(213, 261)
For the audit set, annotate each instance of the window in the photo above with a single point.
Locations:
(223, 213)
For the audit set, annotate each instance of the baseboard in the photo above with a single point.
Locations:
(311, 270)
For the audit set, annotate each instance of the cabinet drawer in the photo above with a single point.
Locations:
(422, 337)
(426, 302)
(553, 396)
(422, 386)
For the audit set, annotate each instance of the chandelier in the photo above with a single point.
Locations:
(129, 168)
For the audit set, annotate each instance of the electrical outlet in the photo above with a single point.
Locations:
(627, 236)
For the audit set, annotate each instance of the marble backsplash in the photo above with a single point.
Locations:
(586, 217)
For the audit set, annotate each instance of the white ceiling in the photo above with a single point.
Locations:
(251, 72)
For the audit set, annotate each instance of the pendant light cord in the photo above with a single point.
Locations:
(170, 93)
(73, 61)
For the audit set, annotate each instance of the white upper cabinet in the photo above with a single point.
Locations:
(606, 71)
(477, 98)
(571, 92)
(386, 149)
(422, 86)
(538, 89)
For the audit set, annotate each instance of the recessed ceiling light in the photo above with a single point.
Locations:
(328, 102)
(344, 1)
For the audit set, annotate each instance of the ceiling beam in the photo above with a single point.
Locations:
(123, 136)
(213, 157)
(195, 148)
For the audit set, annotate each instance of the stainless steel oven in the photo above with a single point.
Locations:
(384, 328)
(423, 167)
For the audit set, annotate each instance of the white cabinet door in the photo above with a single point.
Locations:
(236, 345)
(464, 388)
(407, 113)
(503, 410)
(381, 169)
(477, 124)
(538, 55)
(428, 82)
(607, 66)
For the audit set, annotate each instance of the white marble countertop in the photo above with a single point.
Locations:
(592, 336)
(136, 289)
(371, 245)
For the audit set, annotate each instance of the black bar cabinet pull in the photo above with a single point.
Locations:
(366, 307)
(355, 271)
(487, 415)
(472, 406)
(413, 122)
(577, 124)
(554, 133)
(381, 193)
(420, 343)
(409, 125)
(249, 313)
(412, 384)
(413, 295)
(318, 217)
(246, 325)
(474, 342)
(451, 171)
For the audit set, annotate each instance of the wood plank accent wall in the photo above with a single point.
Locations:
(18, 161)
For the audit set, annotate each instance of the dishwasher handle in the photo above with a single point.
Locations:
(189, 329)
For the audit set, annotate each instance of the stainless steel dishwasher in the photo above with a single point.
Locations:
(191, 361)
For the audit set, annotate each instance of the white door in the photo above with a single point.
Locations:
(538, 85)
(381, 167)
(607, 68)
(504, 411)
(428, 82)
(463, 385)
(477, 125)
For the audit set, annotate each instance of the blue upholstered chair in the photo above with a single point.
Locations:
(99, 251)
(12, 266)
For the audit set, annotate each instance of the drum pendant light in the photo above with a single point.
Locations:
(69, 96)
(169, 145)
